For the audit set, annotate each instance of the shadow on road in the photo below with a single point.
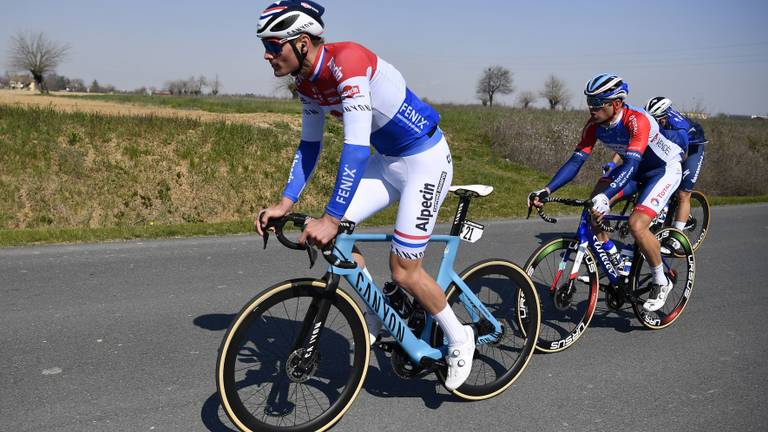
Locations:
(214, 322)
(210, 415)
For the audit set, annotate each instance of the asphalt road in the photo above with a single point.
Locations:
(123, 337)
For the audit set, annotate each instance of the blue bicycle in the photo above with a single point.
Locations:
(565, 274)
(296, 355)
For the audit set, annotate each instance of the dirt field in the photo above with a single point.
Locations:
(11, 97)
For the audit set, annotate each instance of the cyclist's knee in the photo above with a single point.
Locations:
(405, 273)
(639, 223)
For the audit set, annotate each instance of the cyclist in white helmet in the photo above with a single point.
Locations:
(411, 163)
(689, 135)
(648, 157)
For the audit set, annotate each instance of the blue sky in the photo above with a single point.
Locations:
(710, 53)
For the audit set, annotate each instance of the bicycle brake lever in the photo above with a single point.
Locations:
(529, 212)
(266, 237)
(312, 254)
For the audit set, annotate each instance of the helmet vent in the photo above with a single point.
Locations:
(286, 23)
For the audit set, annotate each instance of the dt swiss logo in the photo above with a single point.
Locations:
(350, 91)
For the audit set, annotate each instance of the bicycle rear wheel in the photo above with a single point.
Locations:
(567, 306)
(698, 220)
(260, 386)
(507, 292)
(680, 267)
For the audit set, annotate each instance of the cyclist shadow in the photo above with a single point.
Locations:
(621, 320)
(547, 236)
(210, 414)
(382, 382)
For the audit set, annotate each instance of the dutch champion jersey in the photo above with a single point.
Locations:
(371, 98)
(369, 95)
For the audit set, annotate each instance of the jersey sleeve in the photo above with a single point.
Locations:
(568, 171)
(354, 89)
(308, 152)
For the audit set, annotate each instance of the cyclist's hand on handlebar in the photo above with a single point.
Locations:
(276, 211)
(535, 196)
(600, 205)
(320, 232)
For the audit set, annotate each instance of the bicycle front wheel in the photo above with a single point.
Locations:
(508, 294)
(679, 266)
(567, 305)
(261, 381)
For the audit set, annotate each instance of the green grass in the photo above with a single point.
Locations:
(74, 177)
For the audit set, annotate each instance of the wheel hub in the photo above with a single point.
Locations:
(298, 372)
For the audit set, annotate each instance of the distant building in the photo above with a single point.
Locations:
(22, 82)
(759, 117)
(161, 93)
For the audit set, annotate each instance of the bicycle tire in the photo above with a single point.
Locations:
(563, 320)
(680, 267)
(489, 280)
(255, 358)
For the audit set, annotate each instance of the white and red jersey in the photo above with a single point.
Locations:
(370, 96)
(376, 107)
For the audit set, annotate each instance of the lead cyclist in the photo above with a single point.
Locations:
(410, 163)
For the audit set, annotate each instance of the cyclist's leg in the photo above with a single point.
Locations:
(374, 193)
(691, 170)
(658, 186)
(424, 180)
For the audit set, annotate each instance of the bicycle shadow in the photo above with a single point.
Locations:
(382, 382)
(261, 359)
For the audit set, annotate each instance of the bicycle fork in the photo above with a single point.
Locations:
(312, 328)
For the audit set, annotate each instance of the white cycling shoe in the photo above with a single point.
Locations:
(460, 360)
(658, 296)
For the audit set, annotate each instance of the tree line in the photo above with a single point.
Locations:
(497, 80)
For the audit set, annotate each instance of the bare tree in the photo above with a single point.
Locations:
(215, 85)
(526, 98)
(37, 54)
(287, 85)
(555, 93)
(495, 79)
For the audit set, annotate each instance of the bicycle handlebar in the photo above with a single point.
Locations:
(300, 221)
(587, 204)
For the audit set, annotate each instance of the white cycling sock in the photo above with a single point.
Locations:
(679, 225)
(451, 326)
(658, 275)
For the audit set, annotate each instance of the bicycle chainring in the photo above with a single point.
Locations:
(402, 364)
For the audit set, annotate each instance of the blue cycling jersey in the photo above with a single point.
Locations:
(683, 131)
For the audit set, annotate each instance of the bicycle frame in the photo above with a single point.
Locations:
(588, 239)
(417, 347)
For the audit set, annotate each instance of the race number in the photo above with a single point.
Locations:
(471, 231)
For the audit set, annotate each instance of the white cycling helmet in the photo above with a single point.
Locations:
(658, 107)
(285, 20)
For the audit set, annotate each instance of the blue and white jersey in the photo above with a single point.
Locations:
(682, 130)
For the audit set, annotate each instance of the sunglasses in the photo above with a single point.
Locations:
(596, 102)
(273, 46)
